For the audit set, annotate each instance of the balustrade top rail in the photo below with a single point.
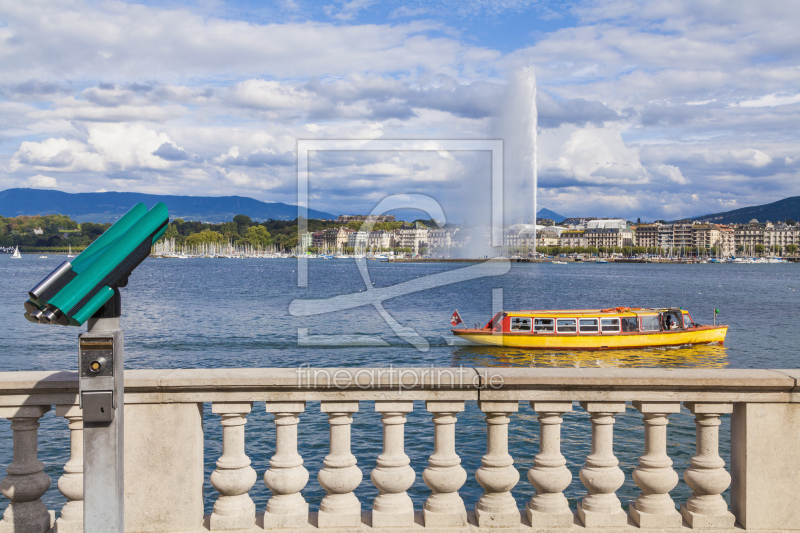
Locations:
(429, 383)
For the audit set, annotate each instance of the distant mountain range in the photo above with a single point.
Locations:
(775, 212)
(552, 215)
(109, 206)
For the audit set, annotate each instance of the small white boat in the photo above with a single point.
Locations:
(16, 254)
(69, 254)
(42, 257)
(559, 262)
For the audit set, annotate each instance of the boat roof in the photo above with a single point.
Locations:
(611, 311)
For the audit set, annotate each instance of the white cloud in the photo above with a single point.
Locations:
(107, 147)
(771, 100)
(40, 181)
(591, 155)
(671, 173)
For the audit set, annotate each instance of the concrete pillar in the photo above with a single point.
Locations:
(286, 475)
(601, 475)
(26, 481)
(549, 474)
(393, 475)
(71, 483)
(163, 467)
(765, 466)
(340, 475)
(444, 475)
(706, 475)
(654, 475)
(497, 475)
(233, 477)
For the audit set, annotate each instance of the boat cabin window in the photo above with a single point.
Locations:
(609, 324)
(589, 325)
(672, 320)
(544, 325)
(630, 324)
(566, 325)
(520, 324)
(687, 321)
(650, 323)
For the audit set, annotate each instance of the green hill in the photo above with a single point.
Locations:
(774, 212)
(109, 206)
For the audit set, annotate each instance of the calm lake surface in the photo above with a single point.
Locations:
(213, 313)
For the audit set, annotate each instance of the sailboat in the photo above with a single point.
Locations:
(69, 254)
(16, 254)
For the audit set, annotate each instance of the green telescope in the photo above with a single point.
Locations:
(77, 290)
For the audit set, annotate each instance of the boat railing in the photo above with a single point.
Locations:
(164, 441)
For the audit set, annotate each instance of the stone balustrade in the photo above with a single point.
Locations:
(164, 443)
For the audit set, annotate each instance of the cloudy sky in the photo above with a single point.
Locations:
(646, 109)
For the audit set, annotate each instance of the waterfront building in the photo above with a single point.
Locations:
(705, 238)
(727, 246)
(607, 223)
(519, 236)
(336, 238)
(440, 238)
(665, 235)
(357, 239)
(573, 238)
(318, 239)
(411, 237)
(682, 235)
(748, 236)
(780, 236)
(306, 241)
(379, 240)
(547, 237)
(607, 237)
(646, 235)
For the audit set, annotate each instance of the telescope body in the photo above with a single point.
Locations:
(76, 290)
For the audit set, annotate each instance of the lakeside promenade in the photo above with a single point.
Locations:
(164, 438)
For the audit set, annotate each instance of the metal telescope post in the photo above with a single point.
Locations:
(101, 380)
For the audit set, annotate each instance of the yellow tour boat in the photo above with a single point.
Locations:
(592, 329)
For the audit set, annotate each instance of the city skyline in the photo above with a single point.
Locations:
(652, 111)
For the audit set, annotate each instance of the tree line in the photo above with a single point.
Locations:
(60, 232)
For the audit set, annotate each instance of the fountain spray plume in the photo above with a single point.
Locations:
(517, 124)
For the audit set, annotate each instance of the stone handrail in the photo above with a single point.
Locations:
(164, 449)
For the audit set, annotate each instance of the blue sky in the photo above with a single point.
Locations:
(646, 109)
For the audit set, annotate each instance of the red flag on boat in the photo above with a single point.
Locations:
(456, 319)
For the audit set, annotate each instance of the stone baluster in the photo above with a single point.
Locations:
(444, 475)
(497, 475)
(286, 476)
(601, 475)
(26, 481)
(340, 475)
(550, 475)
(392, 474)
(233, 477)
(654, 475)
(706, 475)
(71, 483)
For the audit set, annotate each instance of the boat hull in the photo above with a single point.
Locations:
(699, 335)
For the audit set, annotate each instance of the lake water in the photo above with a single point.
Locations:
(211, 313)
